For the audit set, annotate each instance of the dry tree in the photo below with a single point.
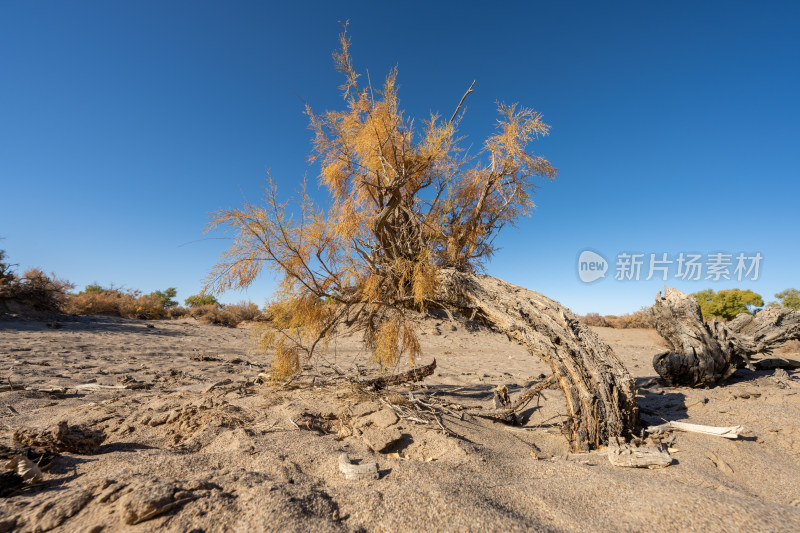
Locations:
(410, 219)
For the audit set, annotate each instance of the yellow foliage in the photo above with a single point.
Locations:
(404, 201)
(116, 303)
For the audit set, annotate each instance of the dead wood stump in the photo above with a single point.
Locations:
(703, 353)
(600, 393)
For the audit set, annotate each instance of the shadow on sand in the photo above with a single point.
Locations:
(92, 324)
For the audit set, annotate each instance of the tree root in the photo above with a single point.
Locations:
(415, 374)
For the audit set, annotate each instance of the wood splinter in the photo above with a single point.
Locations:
(357, 472)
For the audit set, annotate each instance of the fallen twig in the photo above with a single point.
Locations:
(731, 432)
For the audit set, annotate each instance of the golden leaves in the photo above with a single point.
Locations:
(395, 338)
(403, 202)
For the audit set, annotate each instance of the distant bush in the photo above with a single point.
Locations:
(46, 293)
(245, 312)
(595, 319)
(200, 300)
(177, 312)
(166, 297)
(230, 315)
(34, 289)
(143, 307)
(7, 276)
(94, 289)
(790, 298)
(643, 318)
(93, 303)
(726, 304)
(114, 302)
(134, 304)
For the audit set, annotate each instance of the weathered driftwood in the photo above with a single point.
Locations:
(83, 387)
(702, 353)
(643, 457)
(731, 432)
(51, 390)
(772, 363)
(770, 327)
(356, 472)
(61, 437)
(509, 412)
(96, 386)
(600, 393)
(415, 374)
(24, 467)
(624, 455)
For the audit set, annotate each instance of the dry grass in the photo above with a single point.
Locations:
(113, 302)
(92, 303)
(133, 304)
(643, 318)
(230, 315)
(143, 307)
(34, 289)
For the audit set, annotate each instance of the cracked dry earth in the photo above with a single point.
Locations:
(194, 442)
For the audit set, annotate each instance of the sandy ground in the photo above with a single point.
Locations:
(206, 448)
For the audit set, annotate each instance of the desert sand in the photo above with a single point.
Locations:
(197, 443)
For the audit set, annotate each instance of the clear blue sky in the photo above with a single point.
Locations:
(675, 126)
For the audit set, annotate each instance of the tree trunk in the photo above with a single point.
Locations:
(600, 393)
(703, 353)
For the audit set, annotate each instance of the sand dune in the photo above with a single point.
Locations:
(194, 443)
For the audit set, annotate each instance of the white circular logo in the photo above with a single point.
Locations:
(591, 266)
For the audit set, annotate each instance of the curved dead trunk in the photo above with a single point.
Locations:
(695, 357)
(600, 393)
(702, 353)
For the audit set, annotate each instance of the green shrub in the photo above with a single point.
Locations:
(726, 304)
(200, 300)
(790, 298)
(94, 289)
(166, 297)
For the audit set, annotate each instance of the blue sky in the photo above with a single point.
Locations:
(674, 126)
